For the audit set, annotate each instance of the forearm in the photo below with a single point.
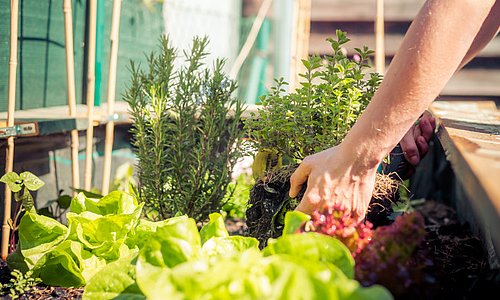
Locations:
(488, 31)
(431, 51)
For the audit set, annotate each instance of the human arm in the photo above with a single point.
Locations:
(433, 48)
(414, 143)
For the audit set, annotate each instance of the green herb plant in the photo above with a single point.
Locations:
(19, 284)
(186, 131)
(334, 91)
(21, 185)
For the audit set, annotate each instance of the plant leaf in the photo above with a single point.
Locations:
(64, 201)
(313, 246)
(26, 199)
(38, 234)
(293, 220)
(215, 228)
(229, 245)
(31, 181)
(115, 281)
(13, 181)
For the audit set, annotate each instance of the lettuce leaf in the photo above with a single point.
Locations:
(68, 265)
(175, 242)
(37, 235)
(214, 228)
(313, 246)
(116, 202)
(115, 281)
(104, 235)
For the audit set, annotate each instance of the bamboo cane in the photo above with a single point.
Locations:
(252, 35)
(90, 93)
(110, 126)
(300, 40)
(9, 153)
(379, 38)
(70, 79)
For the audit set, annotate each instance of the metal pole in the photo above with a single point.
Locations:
(9, 153)
(90, 93)
(110, 126)
(70, 79)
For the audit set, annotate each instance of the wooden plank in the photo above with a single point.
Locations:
(474, 82)
(319, 45)
(61, 112)
(470, 135)
(363, 10)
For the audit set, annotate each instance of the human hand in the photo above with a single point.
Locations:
(415, 143)
(332, 177)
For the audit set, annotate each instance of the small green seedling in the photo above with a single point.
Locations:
(21, 185)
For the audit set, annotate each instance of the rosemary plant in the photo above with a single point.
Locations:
(184, 140)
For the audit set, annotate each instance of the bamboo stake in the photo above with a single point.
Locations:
(379, 38)
(9, 153)
(300, 40)
(90, 93)
(70, 79)
(252, 35)
(110, 126)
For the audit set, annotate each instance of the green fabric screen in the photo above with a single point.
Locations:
(41, 73)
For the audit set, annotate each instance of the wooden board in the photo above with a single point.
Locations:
(470, 135)
(363, 10)
(319, 45)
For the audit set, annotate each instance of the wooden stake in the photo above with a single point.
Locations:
(301, 28)
(90, 93)
(252, 36)
(70, 79)
(110, 126)
(9, 153)
(379, 38)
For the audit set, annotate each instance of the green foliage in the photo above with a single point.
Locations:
(184, 140)
(317, 115)
(19, 284)
(26, 182)
(119, 258)
(21, 185)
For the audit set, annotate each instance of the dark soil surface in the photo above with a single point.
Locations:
(459, 266)
(458, 269)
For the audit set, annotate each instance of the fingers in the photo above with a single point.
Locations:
(299, 177)
(423, 145)
(410, 149)
(427, 127)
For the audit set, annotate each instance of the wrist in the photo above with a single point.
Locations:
(363, 159)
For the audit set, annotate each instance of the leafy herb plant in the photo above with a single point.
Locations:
(184, 139)
(334, 91)
(290, 125)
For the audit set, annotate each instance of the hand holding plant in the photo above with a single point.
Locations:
(334, 177)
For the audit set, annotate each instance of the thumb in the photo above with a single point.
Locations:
(299, 177)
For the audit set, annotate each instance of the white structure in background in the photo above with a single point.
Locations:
(217, 19)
